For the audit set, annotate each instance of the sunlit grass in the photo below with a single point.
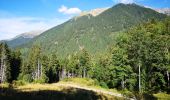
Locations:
(162, 96)
(4, 85)
(82, 82)
(79, 81)
(60, 86)
(86, 82)
(38, 87)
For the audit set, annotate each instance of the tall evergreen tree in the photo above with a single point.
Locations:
(15, 64)
(84, 61)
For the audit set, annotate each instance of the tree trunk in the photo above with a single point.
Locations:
(38, 69)
(58, 75)
(63, 74)
(84, 72)
(68, 74)
(72, 73)
(123, 84)
(139, 79)
(41, 70)
(3, 66)
(1, 70)
(167, 77)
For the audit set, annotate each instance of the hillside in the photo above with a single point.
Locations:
(94, 33)
(22, 38)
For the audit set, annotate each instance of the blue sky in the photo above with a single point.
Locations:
(19, 16)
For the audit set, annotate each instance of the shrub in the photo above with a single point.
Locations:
(103, 84)
(128, 94)
(18, 83)
(27, 78)
(44, 79)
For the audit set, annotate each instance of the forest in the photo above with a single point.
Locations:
(138, 61)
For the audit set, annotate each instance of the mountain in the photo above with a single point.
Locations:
(164, 11)
(93, 12)
(94, 33)
(22, 38)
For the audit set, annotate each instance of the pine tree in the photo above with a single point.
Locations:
(84, 61)
(15, 63)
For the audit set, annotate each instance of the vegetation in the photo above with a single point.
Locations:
(17, 41)
(52, 91)
(95, 34)
(10, 64)
(137, 63)
(162, 96)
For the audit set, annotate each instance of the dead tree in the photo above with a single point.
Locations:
(3, 65)
(38, 71)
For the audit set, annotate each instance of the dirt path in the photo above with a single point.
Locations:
(92, 89)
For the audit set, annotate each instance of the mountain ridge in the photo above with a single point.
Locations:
(22, 38)
(93, 12)
(94, 33)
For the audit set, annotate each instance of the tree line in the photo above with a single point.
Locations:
(139, 61)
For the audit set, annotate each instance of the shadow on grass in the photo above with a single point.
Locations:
(65, 94)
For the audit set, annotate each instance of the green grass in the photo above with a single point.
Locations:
(81, 81)
(55, 91)
(86, 82)
(162, 96)
(60, 91)
(4, 85)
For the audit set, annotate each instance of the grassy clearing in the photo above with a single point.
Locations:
(60, 91)
(54, 91)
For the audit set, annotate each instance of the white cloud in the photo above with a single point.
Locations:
(13, 26)
(124, 1)
(66, 10)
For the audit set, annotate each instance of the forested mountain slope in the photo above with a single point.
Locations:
(22, 38)
(94, 33)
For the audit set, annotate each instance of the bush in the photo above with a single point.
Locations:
(20, 77)
(18, 83)
(103, 84)
(27, 78)
(44, 79)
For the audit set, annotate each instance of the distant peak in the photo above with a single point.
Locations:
(164, 11)
(30, 34)
(126, 4)
(129, 4)
(93, 12)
